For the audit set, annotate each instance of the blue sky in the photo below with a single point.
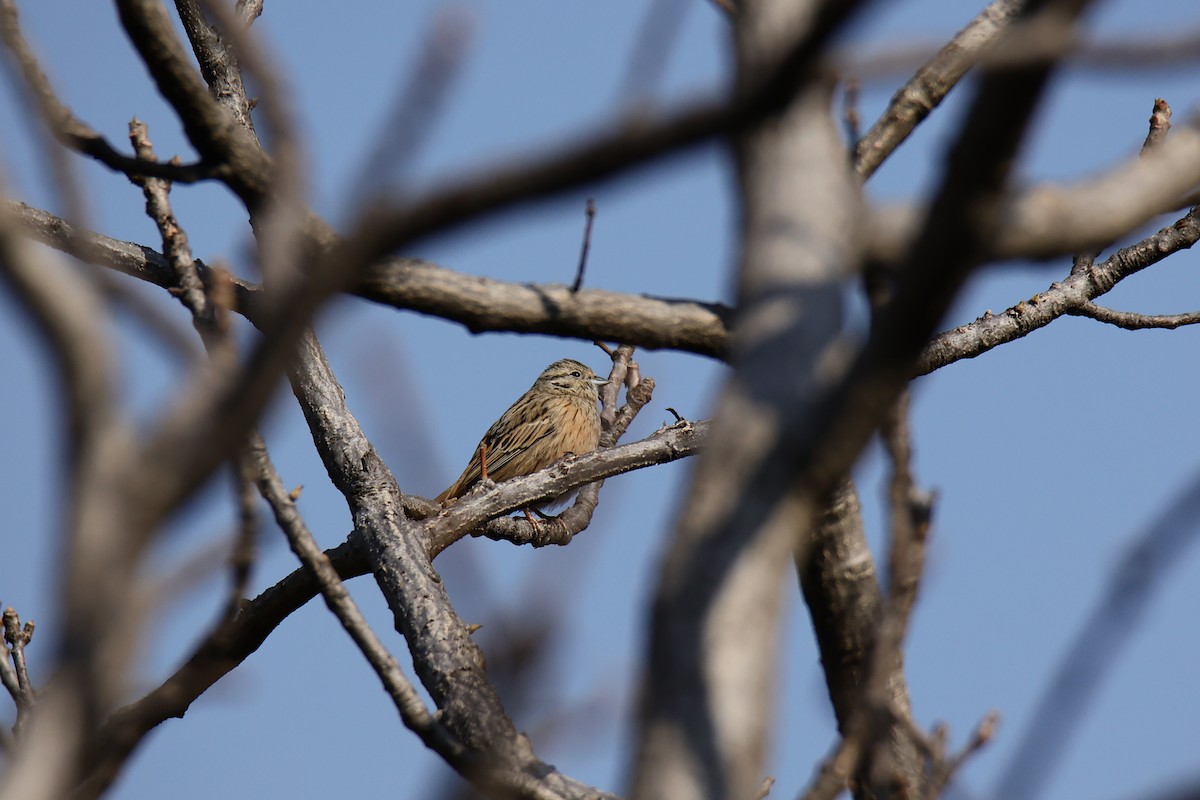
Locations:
(1049, 454)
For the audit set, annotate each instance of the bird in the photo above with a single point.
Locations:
(556, 416)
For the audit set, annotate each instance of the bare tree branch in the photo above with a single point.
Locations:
(216, 655)
(88, 656)
(928, 87)
(412, 709)
(483, 304)
(1050, 222)
(66, 127)
(1157, 52)
(814, 439)
(963, 219)
(792, 419)
(1160, 123)
(709, 664)
(1063, 297)
(220, 140)
(1135, 322)
(449, 664)
(476, 302)
(218, 61)
(16, 637)
(227, 646)
(845, 604)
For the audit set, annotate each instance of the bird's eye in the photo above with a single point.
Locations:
(576, 374)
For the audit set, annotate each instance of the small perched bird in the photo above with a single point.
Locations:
(558, 415)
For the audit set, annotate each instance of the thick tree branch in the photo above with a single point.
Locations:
(710, 660)
(484, 304)
(449, 664)
(821, 420)
(481, 304)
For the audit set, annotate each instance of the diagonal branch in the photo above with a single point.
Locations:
(917, 99)
(220, 140)
(218, 62)
(1064, 297)
(412, 709)
(69, 129)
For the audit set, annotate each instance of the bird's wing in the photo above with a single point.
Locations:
(506, 441)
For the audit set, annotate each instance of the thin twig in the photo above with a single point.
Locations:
(174, 239)
(590, 216)
(911, 515)
(405, 697)
(946, 768)
(245, 544)
(851, 117)
(17, 637)
(1132, 321)
(1160, 123)
(926, 90)
(8, 678)
(882, 708)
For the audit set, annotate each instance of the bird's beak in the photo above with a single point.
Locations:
(598, 381)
